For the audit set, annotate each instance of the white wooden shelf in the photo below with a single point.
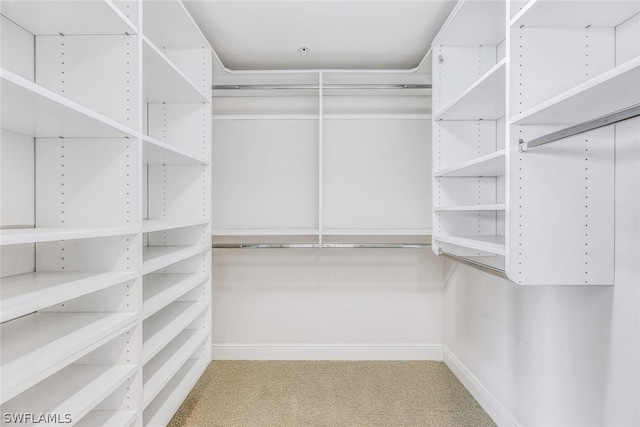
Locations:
(490, 165)
(265, 232)
(376, 231)
(484, 100)
(606, 93)
(32, 110)
(164, 81)
(162, 327)
(159, 153)
(159, 370)
(63, 337)
(163, 288)
(77, 389)
(167, 23)
(25, 293)
(470, 208)
(157, 257)
(61, 17)
(108, 419)
(151, 225)
(266, 117)
(162, 408)
(546, 13)
(491, 244)
(473, 23)
(16, 236)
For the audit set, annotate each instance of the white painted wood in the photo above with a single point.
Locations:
(550, 13)
(265, 231)
(473, 23)
(490, 244)
(627, 40)
(184, 126)
(108, 419)
(457, 142)
(178, 191)
(16, 180)
(377, 231)
(161, 289)
(159, 153)
(157, 257)
(32, 235)
(169, 24)
(17, 53)
(151, 225)
(497, 207)
(492, 164)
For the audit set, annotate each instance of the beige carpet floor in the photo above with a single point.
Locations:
(343, 393)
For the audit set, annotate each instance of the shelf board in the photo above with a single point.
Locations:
(161, 289)
(16, 236)
(30, 292)
(265, 232)
(491, 244)
(76, 390)
(490, 165)
(484, 100)
(545, 13)
(159, 329)
(162, 408)
(107, 418)
(157, 257)
(376, 231)
(63, 337)
(606, 93)
(159, 153)
(473, 23)
(470, 208)
(169, 24)
(32, 110)
(151, 225)
(164, 81)
(159, 370)
(42, 18)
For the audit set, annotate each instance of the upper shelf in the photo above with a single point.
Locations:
(167, 23)
(32, 110)
(611, 91)
(484, 100)
(491, 164)
(473, 23)
(159, 153)
(66, 17)
(553, 13)
(151, 225)
(16, 236)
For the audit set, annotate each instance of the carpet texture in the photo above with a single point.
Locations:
(328, 393)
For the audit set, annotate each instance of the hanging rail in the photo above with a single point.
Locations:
(318, 246)
(315, 86)
(607, 120)
(475, 264)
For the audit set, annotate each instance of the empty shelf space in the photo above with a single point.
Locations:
(159, 153)
(473, 23)
(604, 94)
(545, 13)
(491, 244)
(26, 293)
(491, 164)
(162, 327)
(168, 23)
(108, 419)
(163, 288)
(471, 208)
(164, 81)
(159, 370)
(265, 232)
(63, 337)
(75, 390)
(376, 231)
(151, 225)
(485, 99)
(32, 110)
(16, 236)
(162, 408)
(61, 17)
(157, 257)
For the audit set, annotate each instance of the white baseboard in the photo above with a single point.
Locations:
(327, 351)
(500, 415)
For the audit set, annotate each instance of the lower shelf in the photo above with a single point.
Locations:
(157, 257)
(161, 289)
(108, 419)
(491, 244)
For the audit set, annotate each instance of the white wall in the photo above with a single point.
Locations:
(558, 355)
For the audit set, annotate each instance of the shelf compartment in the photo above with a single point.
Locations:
(63, 337)
(157, 257)
(61, 17)
(607, 93)
(490, 165)
(26, 293)
(159, 153)
(164, 81)
(108, 418)
(32, 110)
(168, 23)
(159, 370)
(545, 13)
(490, 244)
(265, 232)
(376, 231)
(473, 23)
(162, 408)
(162, 327)
(163, 288)
(471, 208)
(17, 236)
(78, 389)
(484, 100)
(151, 225)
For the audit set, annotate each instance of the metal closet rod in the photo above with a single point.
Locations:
(315, 86)
(318, 246)
(475, 264)
(607, 120)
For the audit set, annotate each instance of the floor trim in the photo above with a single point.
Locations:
(500, 415)
(327, 351)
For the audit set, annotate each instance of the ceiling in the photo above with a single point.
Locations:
(352, 34)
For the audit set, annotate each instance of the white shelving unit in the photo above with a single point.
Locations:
(105, 208)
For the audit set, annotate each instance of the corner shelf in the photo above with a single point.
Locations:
(546, 13)
(491, 244)
(491, 165)
(163, 288)
(159, 153)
